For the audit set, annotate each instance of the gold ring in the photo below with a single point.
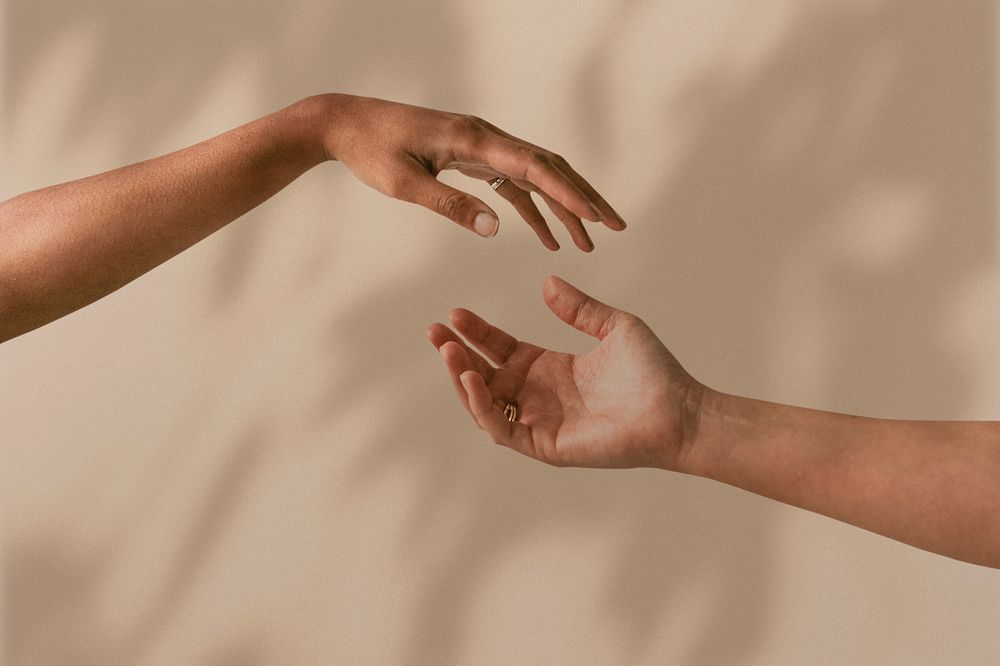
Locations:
(497, 182)
(510, 411)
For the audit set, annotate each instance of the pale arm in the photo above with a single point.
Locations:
(68, 245)
(932, 484)
(629, 403)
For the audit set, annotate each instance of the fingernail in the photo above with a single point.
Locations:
(621, 223)
(466, 379)
(486, 225)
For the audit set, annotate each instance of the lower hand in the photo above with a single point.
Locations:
(626, 403)
(399, 150)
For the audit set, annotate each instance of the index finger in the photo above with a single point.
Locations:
(609, 216)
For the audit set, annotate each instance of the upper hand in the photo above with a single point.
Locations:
(399, 150)
(626, 403)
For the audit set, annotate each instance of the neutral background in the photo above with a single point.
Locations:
(252, 455)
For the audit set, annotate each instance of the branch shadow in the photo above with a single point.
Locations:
(887, 104)
(888, 110)
(54, 592)
(150, 65)
(777, 158)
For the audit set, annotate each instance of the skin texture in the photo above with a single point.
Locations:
(68, 245)
(629, 403)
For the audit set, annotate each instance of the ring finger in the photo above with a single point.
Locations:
(526, 208)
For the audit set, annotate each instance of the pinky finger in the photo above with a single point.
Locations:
(489, 417)
(457, 361)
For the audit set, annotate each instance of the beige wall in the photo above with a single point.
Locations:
(251, 455)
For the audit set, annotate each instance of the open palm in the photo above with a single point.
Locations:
(620, 405)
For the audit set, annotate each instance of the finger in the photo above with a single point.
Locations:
(609, 216)
(537, 166)
(490, 418)
(576, 231)
(580, 310)
(456, 361)
(496, 344)
(421, 188)
(439, 334)
(522, 203)
(504, 382)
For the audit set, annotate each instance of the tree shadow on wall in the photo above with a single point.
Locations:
(853, 109)
(747, 200)
(849, 104)
(54, 593)
(151, 63)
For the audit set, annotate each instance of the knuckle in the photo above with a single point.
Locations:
(396, 185)
(630, 320)
(535, 161)
(452, 204)
(540, 158)
(610, 324)
(466, 124)
(618, 320)
(474, 141)
(625, 318)
(468, 133)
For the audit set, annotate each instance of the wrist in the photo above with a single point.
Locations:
(322, 119)
(703, 417)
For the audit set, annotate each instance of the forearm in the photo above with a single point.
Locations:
(932, 484)
(68, 245)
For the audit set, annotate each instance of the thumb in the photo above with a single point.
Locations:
(580, 310)
(463, 209)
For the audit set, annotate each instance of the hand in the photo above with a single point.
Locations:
(399, 150)
(626, 403)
